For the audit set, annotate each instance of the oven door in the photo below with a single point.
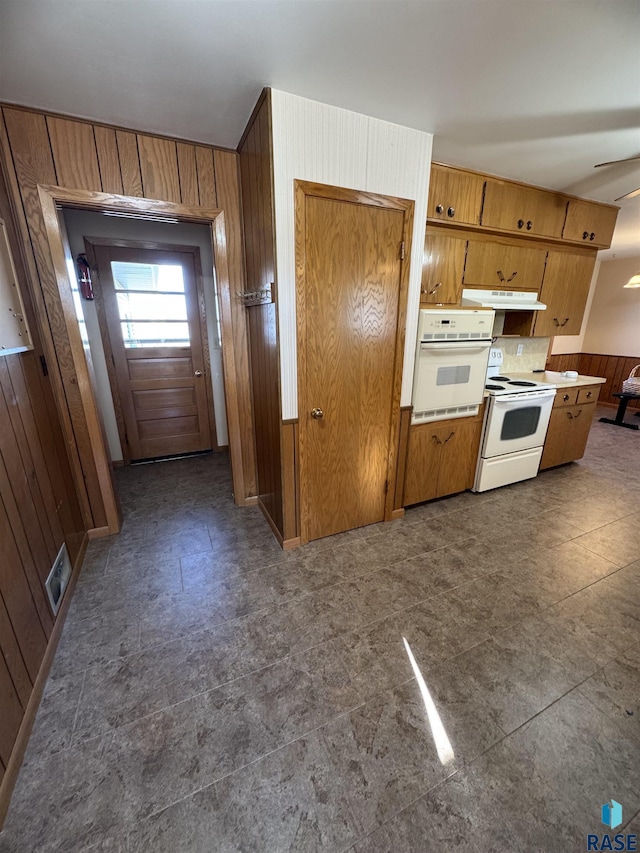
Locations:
(450, 374)
(517, 422)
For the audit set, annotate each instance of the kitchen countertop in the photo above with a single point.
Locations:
(557, 379)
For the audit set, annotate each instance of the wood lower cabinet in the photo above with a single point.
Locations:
(505, 265)
(442, 270)
(569, 426)
(591, 223)
(565, 289)
(441, 458)
(454, 196)
(513, 207)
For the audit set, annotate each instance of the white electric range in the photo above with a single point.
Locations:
(514, 430)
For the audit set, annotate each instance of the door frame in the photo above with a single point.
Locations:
(84, 432)
(90, 243)
(303, 190)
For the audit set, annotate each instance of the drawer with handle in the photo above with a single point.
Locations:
(588, 394)
(566, 397)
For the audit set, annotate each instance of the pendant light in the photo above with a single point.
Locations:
(634, 281)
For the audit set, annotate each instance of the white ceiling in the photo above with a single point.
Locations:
(538, 90)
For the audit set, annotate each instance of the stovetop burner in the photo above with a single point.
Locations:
(523, 382)
(500, 379)
(494, 387)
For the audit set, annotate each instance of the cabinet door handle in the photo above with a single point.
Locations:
(565, 397)
(440, 209)
(585, 234)
(435, 439)
(570, 416)
(556, 322)
(513, 275)
(450, 437)
(500, 275)
(451, 211)
(433, 290)
(565, 321)
(592, 236)
(520, 223)
(529, 225)
(578, 413)
(588, 394)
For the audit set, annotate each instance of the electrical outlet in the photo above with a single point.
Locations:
(520, 349)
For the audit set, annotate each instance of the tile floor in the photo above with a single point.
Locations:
(212, 693)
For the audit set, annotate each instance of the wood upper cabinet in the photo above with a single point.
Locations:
(513, 207)
(504, 264)
(441, 458)
(567, 435)
(565, 289)
(590, 223)
(442, 269)
(454, 196)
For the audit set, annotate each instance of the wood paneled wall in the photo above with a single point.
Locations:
(615, 368)
(44, 149)
(39, 511)
(256, 171)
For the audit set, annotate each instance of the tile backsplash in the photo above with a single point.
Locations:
(534, 353)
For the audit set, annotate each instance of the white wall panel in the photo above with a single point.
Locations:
(321, 143)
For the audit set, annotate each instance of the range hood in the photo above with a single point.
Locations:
(502, 300)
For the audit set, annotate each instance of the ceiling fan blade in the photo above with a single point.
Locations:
(613, 162)
(632, 194)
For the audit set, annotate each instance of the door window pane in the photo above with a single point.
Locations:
(152, 306)
(520, 423)
(169, 334)
(161, 278)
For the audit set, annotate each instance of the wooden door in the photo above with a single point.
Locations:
(459, 456)
(423, 463)
(442, 269)
(565, 289)
(350, 353)
(512, 207)
(555, 441)
(590, 223)
(580, 418)
(504, 265)
(154, 316)
(454, 196)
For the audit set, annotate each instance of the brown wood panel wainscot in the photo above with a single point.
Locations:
(39, 511)
(614, 368)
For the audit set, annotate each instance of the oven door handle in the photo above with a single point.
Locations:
(469, 346)
(505, 399)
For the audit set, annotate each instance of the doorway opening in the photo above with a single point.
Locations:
(150, 324)
(71, 352)
(153, 327)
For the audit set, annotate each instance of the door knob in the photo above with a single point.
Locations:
(197, 373)
(316, 413)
